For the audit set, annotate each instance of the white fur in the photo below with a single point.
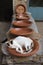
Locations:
(21, 41)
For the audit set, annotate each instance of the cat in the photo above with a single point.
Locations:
(19, 42)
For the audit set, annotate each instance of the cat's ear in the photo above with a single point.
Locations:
(11, 42)
(8, 44)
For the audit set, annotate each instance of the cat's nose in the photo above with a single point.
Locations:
(8, 44)
(27, 50)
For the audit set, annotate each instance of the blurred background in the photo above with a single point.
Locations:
(7, 10)
(34, 6)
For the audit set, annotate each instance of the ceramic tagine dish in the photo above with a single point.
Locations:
(22, 46)
(22, 23)
(22, 17)
(21, 31)
(20, 11)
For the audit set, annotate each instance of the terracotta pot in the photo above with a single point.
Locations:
(21, 31)
(20, 9)
(22, 17)
(22, 23)
(35, 49)
(24, 14)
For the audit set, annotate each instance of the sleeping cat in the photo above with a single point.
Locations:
(19, 42)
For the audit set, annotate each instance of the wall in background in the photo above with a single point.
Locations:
(36, 3)
(37, 12)
(6, 10)
(6, 7)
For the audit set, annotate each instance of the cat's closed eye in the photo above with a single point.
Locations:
(19, 49)
(27, 47)
(31, 44)
(11, 42)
